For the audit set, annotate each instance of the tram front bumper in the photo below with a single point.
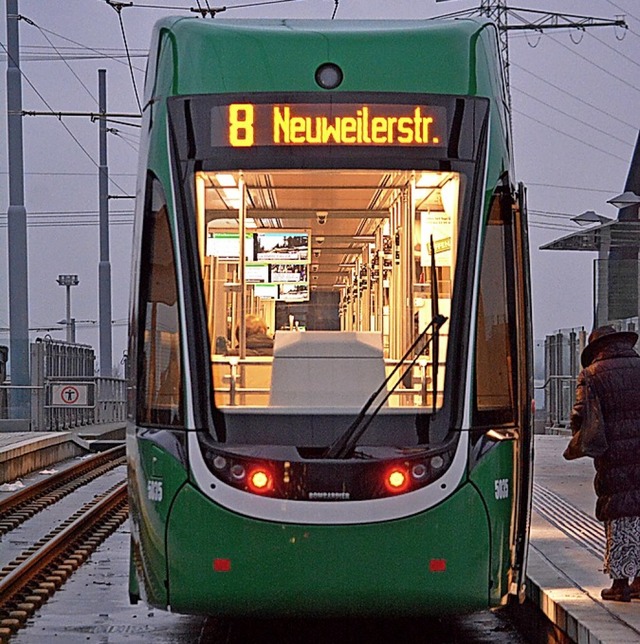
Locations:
(221, 563)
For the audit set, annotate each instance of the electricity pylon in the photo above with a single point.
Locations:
(508, 19)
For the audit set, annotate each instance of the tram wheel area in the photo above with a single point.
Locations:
(484, 626)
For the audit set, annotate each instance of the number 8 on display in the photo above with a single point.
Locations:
(241, 117)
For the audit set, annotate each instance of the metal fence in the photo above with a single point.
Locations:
(562, 365)
(110, 400)
(65, 393)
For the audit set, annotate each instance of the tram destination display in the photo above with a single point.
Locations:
(242, 125)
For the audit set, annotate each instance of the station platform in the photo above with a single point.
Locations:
(24, 452)
(564, 570)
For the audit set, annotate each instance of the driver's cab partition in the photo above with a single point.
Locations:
(241, 382)
(320, 369)
(326, 368)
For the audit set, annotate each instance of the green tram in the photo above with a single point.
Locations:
(350, 187)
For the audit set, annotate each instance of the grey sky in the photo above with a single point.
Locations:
(575, 96)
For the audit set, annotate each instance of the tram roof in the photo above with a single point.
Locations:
(430, 56)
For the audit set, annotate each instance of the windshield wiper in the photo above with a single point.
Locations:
(344, 444)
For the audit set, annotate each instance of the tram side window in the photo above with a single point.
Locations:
(496, 361)
(159, 360)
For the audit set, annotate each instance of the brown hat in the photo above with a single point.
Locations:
(600, 337)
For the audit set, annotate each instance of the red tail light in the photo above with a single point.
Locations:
(438, 565)
(222, 565)
(260, 480)
(396, 479)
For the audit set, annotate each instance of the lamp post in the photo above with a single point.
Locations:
(68, 281)
(625, 200)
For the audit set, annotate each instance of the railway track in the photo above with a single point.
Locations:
(38, 571)
(25, 503)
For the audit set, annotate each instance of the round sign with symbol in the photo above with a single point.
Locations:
(68, 395)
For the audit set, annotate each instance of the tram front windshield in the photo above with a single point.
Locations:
(319, 275)
(317, 282)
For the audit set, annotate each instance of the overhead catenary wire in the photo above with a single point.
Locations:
(550, 213)
(617, 51)
(564, 91)
(46, 37)
(118, 6)
(64, 125)
(94, 116)
(72, 224)
(591, 126)
(575, 138)
(124, 139)
(623, 10)
(199, 9)
(550, 227)
(573, 96)
(168, 6)
(553, 20)
(609, 73)
(71, 174)
(608, 191)
(40, 53)
(76, 221)
(99, 52)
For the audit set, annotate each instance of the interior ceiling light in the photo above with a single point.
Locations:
(429, 179)
(225, 180)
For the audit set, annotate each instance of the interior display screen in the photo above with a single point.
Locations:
(279, 246)
(225, 246)
(256, 273)
(266, 291)
(281, 273)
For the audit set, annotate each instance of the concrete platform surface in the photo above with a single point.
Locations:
(564, 570)
(24, 452)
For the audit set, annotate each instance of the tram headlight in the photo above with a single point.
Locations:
(237, 471)
(419, 471)
(219, 462)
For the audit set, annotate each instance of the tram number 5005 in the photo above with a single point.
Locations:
(501, 488)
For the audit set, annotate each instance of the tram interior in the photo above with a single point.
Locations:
(340, 265)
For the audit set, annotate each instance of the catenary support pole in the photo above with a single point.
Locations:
(17, 227)
(104, 267)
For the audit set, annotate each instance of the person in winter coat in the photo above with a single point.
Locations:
(612, 368)
(258, 342)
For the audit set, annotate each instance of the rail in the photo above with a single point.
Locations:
(19, 506)
(56, 548)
